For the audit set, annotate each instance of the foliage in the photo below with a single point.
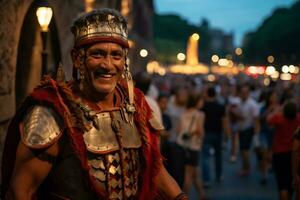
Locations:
(171, 33)
(278, 36)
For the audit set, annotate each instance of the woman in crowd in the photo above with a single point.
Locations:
(285, 123)
(270, 103)
(190, 137)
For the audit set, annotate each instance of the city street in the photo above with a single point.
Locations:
(234, 187)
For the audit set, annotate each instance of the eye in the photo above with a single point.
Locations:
(97, 53)
(117, 55)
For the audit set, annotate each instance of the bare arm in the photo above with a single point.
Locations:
(200, 124)
(226, 126)
(31, 168)
(167, 186)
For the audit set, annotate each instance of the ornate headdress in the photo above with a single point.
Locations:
(101, 25)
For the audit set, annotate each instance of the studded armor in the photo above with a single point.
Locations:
(114, 154)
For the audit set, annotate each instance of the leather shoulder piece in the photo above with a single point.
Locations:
(41, 127)
(155, 124)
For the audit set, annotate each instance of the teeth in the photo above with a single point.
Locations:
(106, 75)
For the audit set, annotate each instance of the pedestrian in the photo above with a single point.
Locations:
(248, 112)
(93, 137)
(215, 119)
(190, 138)
(233, 103)
(176, 106)
(296, 163)
(285, 122)
(162, 101)
(266, 133)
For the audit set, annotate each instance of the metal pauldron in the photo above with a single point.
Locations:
(41, 127)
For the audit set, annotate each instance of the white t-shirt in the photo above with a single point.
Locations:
(189, 121)
(155, 108)
(249, 110)
(174, 111)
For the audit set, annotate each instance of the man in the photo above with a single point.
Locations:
(247, 114)
(93, 138)
(215, 120)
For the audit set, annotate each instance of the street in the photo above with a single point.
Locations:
(234, 187)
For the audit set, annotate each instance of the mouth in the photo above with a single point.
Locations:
(101, 74)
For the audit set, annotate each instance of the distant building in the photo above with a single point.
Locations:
(221, 43)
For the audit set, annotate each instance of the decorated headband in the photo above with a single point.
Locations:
(102, 25)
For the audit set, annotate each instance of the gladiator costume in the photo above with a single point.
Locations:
(103, 154)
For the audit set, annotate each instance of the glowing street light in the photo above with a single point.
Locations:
(292, 69)
(215, 58)
(285, 69)
(143, 53)
(44, 15)
(270, 70)
(223, 62)
(270, 59)
(238, 51)
(181, 56)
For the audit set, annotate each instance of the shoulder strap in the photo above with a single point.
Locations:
(192, 122)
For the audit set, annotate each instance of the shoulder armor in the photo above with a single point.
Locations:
(156, 124)
(41, 127)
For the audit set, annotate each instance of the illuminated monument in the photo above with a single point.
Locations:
(192, 65)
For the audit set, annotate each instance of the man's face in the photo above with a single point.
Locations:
(104, 66)
(244, 93)
(163, 103)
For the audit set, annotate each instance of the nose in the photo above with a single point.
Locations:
(106, 63)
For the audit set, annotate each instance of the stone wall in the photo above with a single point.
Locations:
(12, 14)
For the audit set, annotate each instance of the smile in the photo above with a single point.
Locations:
(102, 74)
(106, 75)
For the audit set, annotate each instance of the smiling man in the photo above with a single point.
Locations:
(92, 138)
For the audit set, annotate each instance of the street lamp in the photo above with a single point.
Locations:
(44, 15)
(181, 56)
(143, 53)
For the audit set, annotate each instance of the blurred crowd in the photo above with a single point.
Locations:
(240, 112)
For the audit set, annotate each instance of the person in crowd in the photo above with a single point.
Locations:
(296, 163)
(143, 82)
(162, 101)
(92, 138)
(215, 119)
(247, 114)
(233, 103)
(176, 106)
(270, 103)
(190, 136)
(285, 121)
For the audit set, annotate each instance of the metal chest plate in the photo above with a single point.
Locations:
(104, 139)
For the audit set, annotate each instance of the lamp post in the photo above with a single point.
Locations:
(44, 15)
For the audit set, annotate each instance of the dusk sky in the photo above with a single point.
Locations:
(238, 16)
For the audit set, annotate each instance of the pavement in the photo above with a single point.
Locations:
(234, 187)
